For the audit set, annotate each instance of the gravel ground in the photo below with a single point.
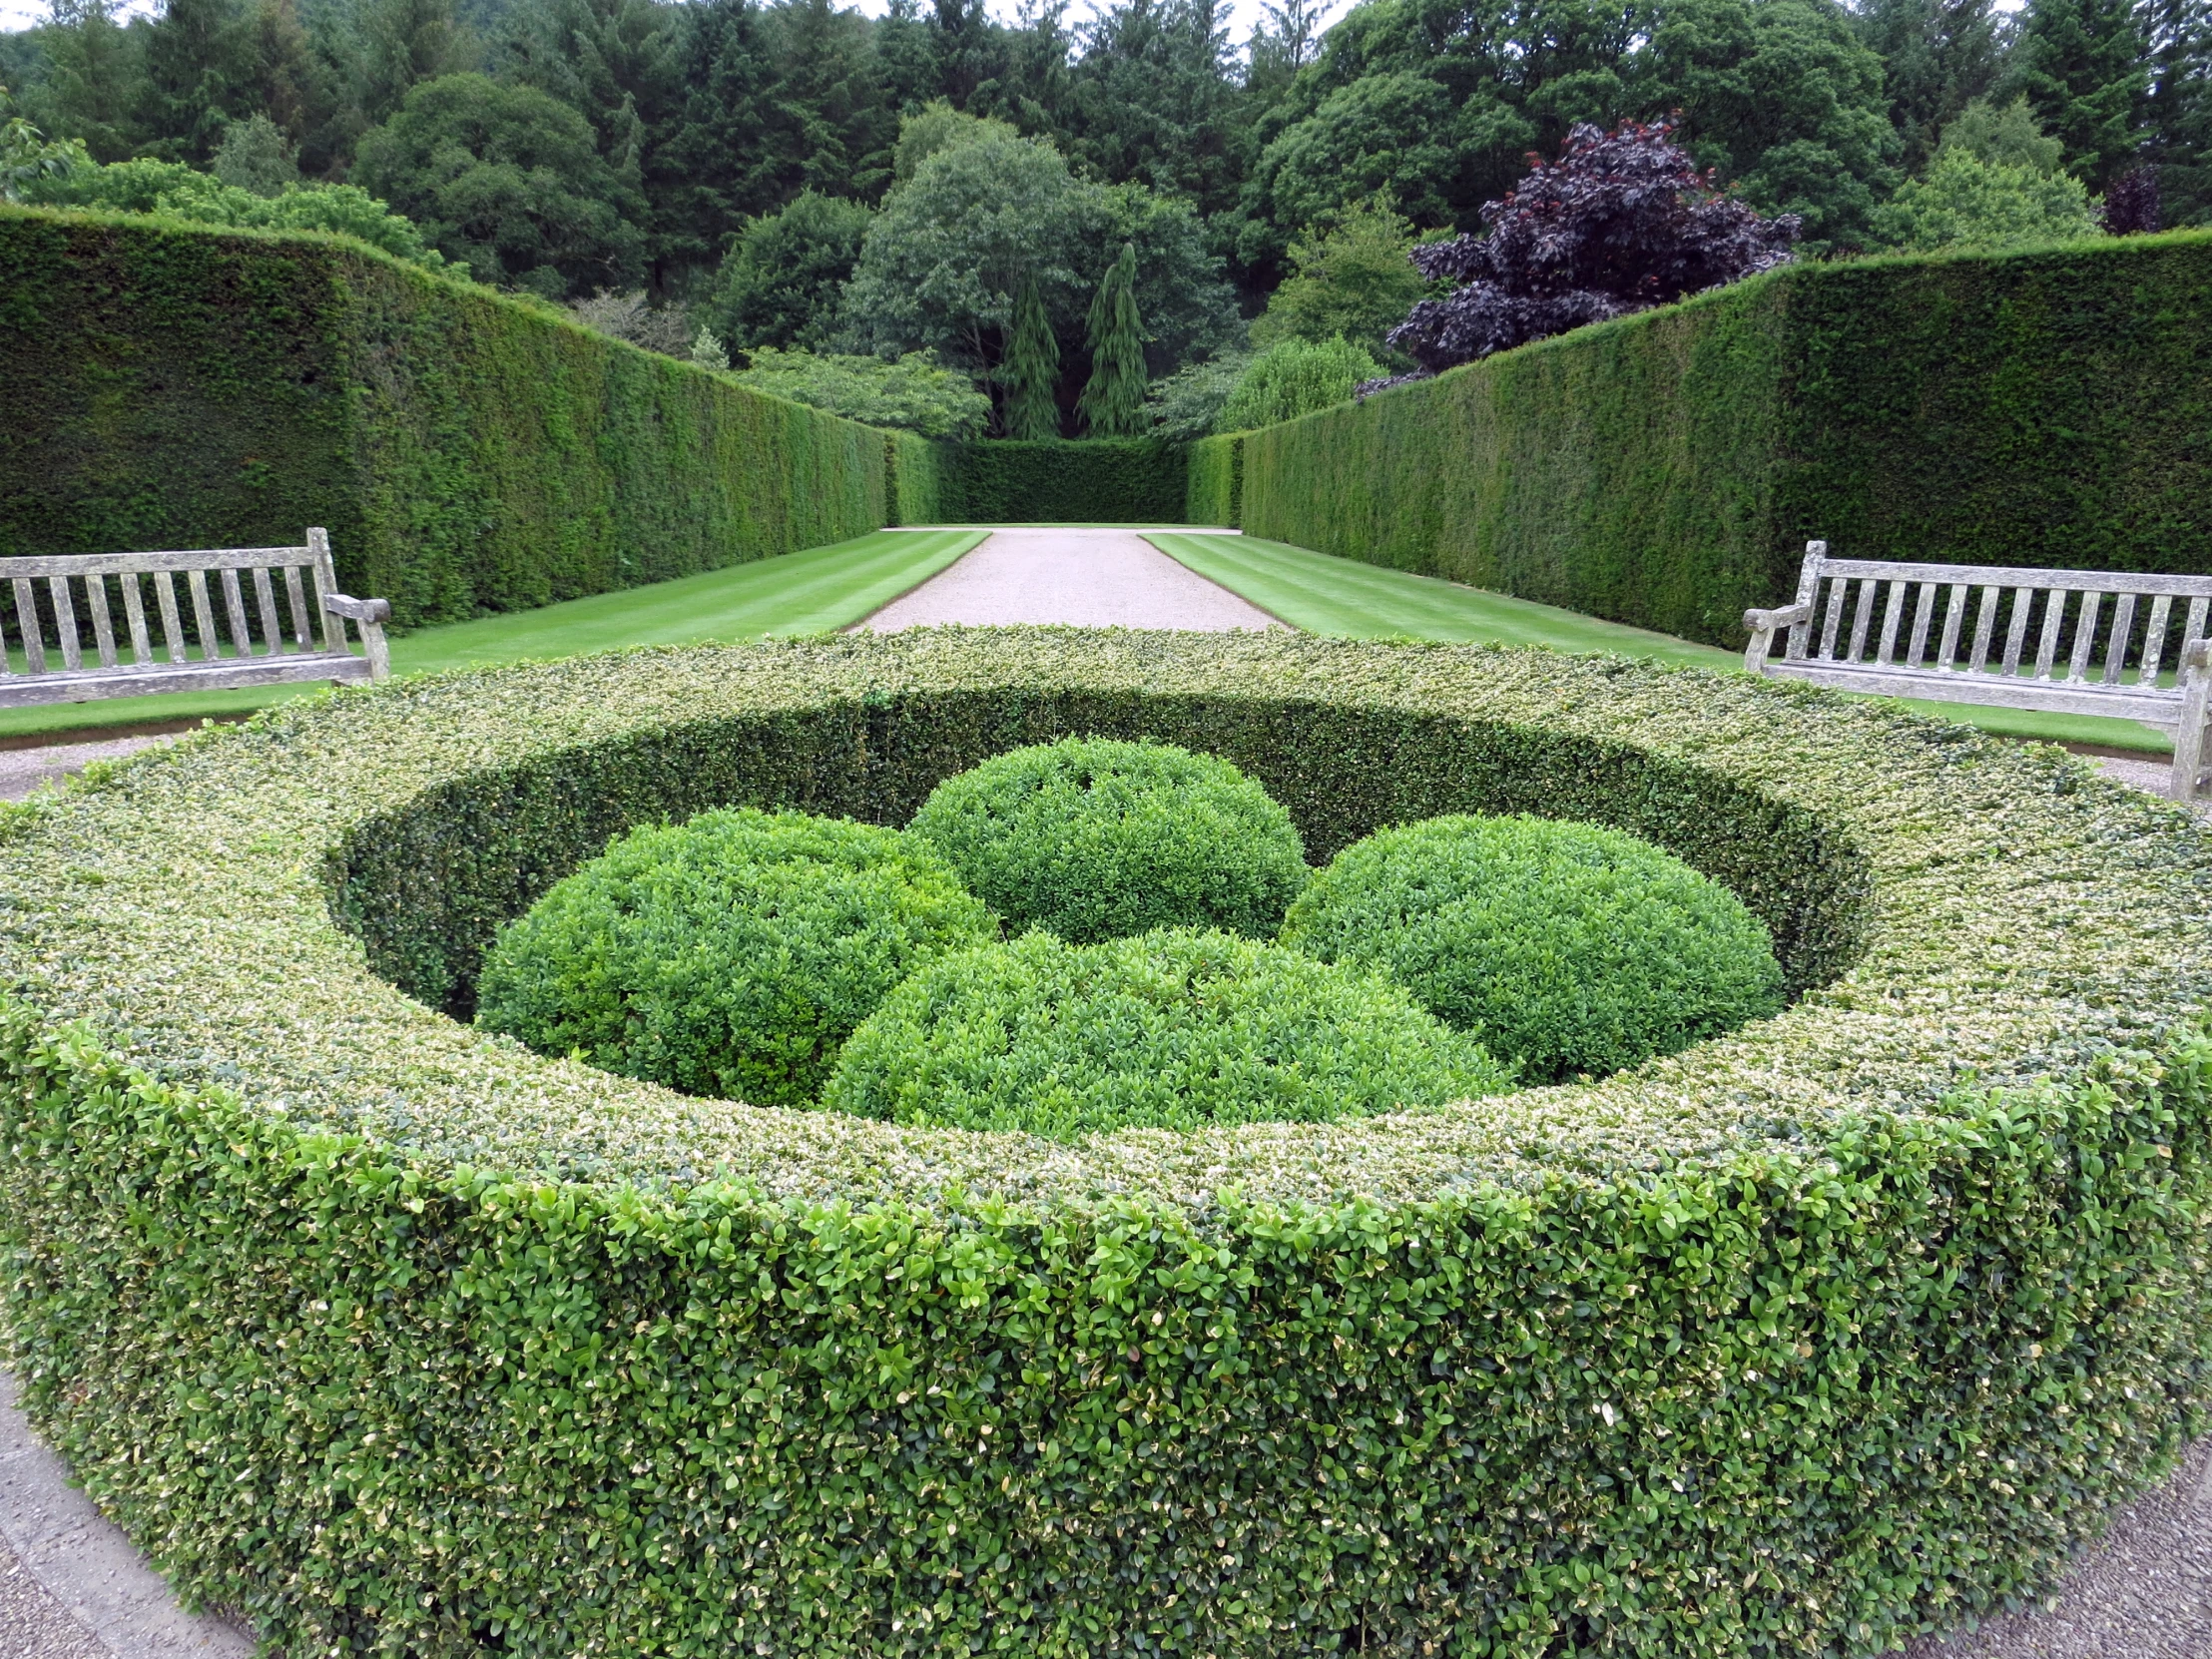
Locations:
(1089, 578)
(24, 769)
(2154, 776)
(2144, 1593)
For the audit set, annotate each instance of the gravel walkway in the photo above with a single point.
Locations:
(1087, 578)
(23, 771)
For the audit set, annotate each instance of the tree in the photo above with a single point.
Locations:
(198, 68)
(256, 158)
(1113, 402)
(2177, 113)
(1937, 55)
(1295, 378)
(175, 190)
(913, 392)
(1188, 403)
(1622, 222)
(1151, 100)
(634, 318)
(1351, 279)
(1965, 201)
(95, 86)
(2083, 66)
(942, 261)
(1031, 372)
(27, 158)
(508, 180)
(1384, 135)
(938, 126)
(1782, 97)
(782, 277)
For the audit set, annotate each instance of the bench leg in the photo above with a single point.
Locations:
(2196, 714)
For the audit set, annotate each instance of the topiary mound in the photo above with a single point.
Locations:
(1097, 839)
(1173, 1029)
(1566, 947)
(401, 1338)
(732, 955)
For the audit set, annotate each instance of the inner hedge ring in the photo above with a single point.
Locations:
(400, 1338)
(426, 885)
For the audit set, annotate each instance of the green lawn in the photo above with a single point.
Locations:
(1346, 598)
(818, 591)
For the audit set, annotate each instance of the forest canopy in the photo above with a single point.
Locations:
(798, 178)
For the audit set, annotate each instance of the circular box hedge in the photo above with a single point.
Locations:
(400, 1338)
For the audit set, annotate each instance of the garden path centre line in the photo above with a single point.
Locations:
(1088, 578)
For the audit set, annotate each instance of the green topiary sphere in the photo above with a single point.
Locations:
(1175, 1029)
(1097, 839)
(730, 957)
(1564, 947)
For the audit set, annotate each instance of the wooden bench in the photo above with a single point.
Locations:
(1886, 649)
(77, 589)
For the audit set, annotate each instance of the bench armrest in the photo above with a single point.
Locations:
(1763, 626)
(370, 615)
(376, 611)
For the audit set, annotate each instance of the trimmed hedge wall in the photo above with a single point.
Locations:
(1666, 469)
(917, 467)
(1083, 481)
(1216, 480)
(402, 1340)
(180, 386)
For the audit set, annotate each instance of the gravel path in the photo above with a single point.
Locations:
(1088, 578)
(23, 771)
(2144, 1593)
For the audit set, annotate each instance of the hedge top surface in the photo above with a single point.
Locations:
(2019, 908)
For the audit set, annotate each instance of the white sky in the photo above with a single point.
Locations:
(1242, 14)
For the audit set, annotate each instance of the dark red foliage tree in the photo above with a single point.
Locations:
(2131, 203)
(1620, 222)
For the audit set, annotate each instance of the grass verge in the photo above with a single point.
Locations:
(815, 591)
(1345, 599)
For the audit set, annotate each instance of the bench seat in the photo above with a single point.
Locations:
(58, 596)
(2100, 640)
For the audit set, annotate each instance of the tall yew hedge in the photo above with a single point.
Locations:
(1666, 469)
(184, 386)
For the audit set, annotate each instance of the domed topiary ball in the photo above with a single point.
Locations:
(1564, 947)
(1177, 1029)
(1096, 839)
(730, 957)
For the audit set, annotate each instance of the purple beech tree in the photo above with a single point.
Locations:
(1620, 222)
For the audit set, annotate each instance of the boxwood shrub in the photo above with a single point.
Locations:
(1094, 839)
(731, 956)
(400, 1338)
(1174, 1029)
(1566, 947)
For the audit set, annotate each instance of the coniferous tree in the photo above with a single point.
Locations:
(1113, 402)
(2177, 115)
(1937, 55)
(2083, 66)
(1031, 372)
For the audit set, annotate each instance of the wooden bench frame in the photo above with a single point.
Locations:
(2182, 709)
(83, 578)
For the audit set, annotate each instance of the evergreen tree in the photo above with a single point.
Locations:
(95, 79)
(198, 71)
(1937, 55)
(1113, 402)
(2083, 66)
(2177, 117)
(1031, 372)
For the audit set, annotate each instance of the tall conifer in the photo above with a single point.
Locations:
(1113, 403)
(1031, 370)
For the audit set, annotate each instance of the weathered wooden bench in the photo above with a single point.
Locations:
(77, 588)
(1893, 660)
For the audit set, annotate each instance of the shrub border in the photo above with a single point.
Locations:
(1809, 1337)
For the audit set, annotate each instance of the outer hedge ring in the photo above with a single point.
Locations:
(260, 1201)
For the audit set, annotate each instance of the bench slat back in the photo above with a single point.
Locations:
(56, 594)
(2126, 643)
